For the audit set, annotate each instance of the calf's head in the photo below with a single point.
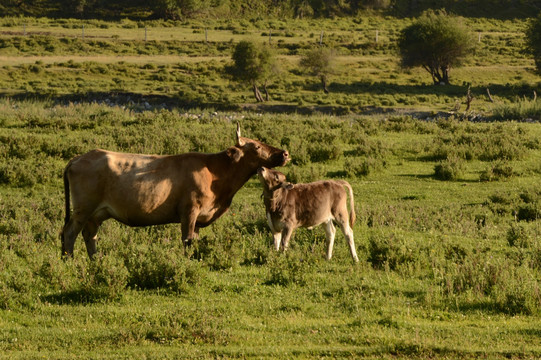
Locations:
(255, 154)
(271, 179)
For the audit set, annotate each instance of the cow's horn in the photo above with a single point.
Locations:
(239, 141)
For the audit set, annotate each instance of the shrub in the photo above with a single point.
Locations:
(362, 166)
(286, 269)
(391, 251)
(520, 236)
(497, 171)
(105, 277)
(160, 267)
(323, 152)
(449, 169)
(306, 174)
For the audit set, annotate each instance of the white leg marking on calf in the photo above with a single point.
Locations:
(348, 233)
(330, 233)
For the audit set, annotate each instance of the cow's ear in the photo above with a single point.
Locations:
(234, 153)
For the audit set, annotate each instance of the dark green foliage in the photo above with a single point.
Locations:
(104, 278)
(287, 269)
(497, 171)
(449, 169)
(321, 63)
(520, 235)
(159, 266)
(252, 64)
(436, 42)
(362, 166)
(533, 40)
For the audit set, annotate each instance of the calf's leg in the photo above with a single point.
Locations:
(277, 237)
(286, 236)
(330, 232)
(348, 233)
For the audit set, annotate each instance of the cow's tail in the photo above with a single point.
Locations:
(67, 195)
(352, 216)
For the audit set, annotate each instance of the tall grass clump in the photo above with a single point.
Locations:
(522, 109)
(495, 281)
(449, 169)
(159, 266)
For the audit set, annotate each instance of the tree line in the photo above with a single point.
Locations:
(184, 9)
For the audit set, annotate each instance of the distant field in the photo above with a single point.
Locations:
(176, 63)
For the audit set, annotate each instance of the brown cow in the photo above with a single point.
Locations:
(138, 190)
(291, 206)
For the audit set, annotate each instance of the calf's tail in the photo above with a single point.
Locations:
(352, 216)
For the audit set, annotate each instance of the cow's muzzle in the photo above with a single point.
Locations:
(285, 156)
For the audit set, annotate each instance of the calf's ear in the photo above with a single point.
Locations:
(234, 153)
(287, 186)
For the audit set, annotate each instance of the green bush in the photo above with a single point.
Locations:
(520, 236)
(286, 269)
(362, 166)
(449, 169)
(104, 278)
(497, 171)
(159, 266)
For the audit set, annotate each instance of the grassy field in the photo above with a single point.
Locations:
(448, 209)
(177, 65)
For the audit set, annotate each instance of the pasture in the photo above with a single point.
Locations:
(447, 227)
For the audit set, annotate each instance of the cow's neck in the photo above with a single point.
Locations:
(231, 176)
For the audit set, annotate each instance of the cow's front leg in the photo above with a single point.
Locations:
(287, 231)
(187, 223)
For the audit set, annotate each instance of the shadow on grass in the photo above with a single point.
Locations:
(77, 297)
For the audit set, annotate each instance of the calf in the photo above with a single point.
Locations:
(290, 206)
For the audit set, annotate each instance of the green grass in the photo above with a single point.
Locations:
(176, 64)
(448, 268)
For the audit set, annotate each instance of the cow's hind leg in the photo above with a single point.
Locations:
(330, 232)
(69, 234)
(90, 230)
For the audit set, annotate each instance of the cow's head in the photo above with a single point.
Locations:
(272, 179)
(254, 153)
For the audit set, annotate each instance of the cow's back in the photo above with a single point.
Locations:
(134, 189)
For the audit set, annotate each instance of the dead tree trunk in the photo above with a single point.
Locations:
(257, 94)
(489, 96)
(324, 83)
(266, 91)
(469, 98)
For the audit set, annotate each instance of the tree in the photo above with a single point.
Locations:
(253, 63)
(177, 9)
(436, 42)
(533, 41)
(320, 62)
